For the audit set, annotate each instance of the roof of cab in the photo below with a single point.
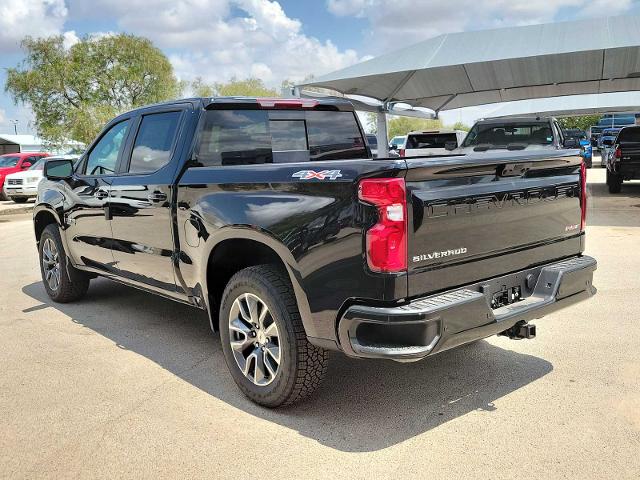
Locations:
(325, 103)
(262, 103)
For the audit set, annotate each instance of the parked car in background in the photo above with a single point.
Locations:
(16, 162)
(623, 161)
(610, 120)
(372, 141)
(605, 143)
(431, 142)
(21, 186)
(517, 133)
(272, 216)
(580, 136)
(397, 142)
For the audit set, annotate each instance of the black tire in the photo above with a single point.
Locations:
(302, 366)
(66, 290)
(20, 199)
(2, 195)
(614, 181)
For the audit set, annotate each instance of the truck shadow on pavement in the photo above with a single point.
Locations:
(362, 406)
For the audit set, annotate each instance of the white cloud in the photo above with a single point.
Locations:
(403, 22)
(596, 7)
(219, 39)
(38, 18)
(69, 39)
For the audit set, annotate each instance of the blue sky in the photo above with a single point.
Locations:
(290, 39)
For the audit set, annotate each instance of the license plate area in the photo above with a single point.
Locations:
(506, 296)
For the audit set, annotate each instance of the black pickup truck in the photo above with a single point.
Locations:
(623, 158)
(272, 215)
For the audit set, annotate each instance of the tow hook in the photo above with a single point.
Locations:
(520, 330)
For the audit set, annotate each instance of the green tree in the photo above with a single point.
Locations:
(582, 122)
(404, 125)
(460, 126)
(73, 92)
(249, 87)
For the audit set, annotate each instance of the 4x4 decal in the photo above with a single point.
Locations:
(322, 175)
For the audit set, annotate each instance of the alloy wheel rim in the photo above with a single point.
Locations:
(51, 264)
(254, 339)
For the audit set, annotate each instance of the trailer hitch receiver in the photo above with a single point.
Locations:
(520, 331)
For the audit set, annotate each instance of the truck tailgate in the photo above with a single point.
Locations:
(479, 216)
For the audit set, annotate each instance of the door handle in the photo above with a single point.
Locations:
(157, 197)
(101, 194)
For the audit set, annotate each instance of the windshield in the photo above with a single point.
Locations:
(397, 141)
(503, 134)
(430, 140)
(9, 161)
(573, 133)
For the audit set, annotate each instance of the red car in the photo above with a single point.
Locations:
(16, 162)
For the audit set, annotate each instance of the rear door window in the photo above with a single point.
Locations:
(154, 142)
(243, 137)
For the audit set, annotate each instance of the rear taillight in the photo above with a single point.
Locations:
(401, 152)
(618, 153)
(583, 196)
(387, 240)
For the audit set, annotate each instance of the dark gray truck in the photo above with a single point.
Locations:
(272, 216)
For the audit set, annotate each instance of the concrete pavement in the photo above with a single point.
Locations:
(125, 384)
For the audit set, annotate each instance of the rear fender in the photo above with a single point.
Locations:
(265, 238)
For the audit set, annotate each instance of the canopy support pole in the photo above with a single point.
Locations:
(383, 140)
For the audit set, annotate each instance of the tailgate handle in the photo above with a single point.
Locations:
(513, 169)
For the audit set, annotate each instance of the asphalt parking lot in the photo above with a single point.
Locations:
(125, 384)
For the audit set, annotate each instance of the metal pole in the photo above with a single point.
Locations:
(383, 140)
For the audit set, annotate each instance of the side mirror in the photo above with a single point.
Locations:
(26, 165)
(571, 143)
(450, 145)
(393, 147)
(58, 169)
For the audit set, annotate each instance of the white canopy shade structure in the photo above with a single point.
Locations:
(501, 65)
(621, 102)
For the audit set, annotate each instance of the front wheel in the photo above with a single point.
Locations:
(263, 339)
(56, 273)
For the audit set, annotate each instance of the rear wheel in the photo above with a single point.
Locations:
(263, 339)
(614, 181)
(56, 273)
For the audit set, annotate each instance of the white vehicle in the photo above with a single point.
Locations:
(20, 186)
(397, 142)
(431, 142)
